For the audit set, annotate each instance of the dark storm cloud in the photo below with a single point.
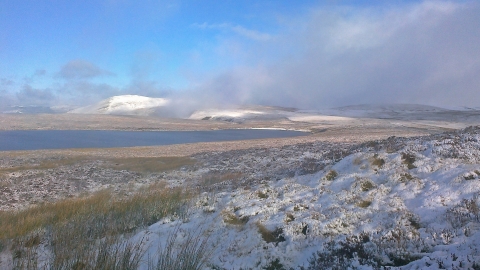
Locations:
(81, 69)
(421, 53)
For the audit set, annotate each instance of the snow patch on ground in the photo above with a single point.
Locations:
(414, 203)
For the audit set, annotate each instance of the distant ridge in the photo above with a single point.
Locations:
(405, 108)
(124, 105)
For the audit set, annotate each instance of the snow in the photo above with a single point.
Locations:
(125, 104)
(418, 214)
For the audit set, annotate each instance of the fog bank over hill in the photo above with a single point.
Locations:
(390, 114)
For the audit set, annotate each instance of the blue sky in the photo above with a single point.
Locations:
(308, 54)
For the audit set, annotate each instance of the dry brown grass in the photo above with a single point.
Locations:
(140, 209)
(268, 236)
(149, 164)
(88, 231)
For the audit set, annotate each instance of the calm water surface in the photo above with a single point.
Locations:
(61, 139)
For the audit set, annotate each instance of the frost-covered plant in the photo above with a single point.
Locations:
(354, 250)
(274, 265)
(400, 244)
(467, 211)
(405, 177)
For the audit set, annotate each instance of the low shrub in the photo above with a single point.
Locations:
(274, 265)
(331, 175)
(367, 185)
(406, 177)
(289, 217)
(232, 219)
(376, 161)
(343, 254)
(408, 159)
(364, 203)
(275, 236)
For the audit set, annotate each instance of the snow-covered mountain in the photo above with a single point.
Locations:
(240, 114)
(125, 105)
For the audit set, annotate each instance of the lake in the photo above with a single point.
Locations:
(63, 139)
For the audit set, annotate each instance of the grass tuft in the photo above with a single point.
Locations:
(191, 254)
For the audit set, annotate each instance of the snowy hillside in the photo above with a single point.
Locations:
(390, 111)
(125, 104)
(405, 203)
(240, 114)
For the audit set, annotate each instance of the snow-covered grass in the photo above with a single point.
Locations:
(402, 203)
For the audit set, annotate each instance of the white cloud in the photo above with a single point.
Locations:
(237, 29)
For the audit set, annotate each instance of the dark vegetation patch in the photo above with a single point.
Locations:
(149, 164)
(331, 175)
(45, 164)
(275, 236)
(232, 219)
(408, 159)
(215, 177)
(376, 161)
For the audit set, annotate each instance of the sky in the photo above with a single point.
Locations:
(304, 54)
